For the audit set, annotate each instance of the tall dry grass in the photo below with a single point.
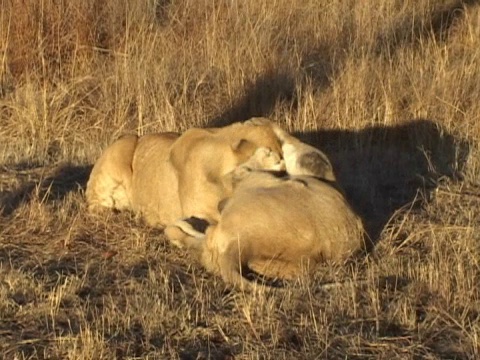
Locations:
(389, 90)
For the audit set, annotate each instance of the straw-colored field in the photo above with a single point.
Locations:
(389, 90)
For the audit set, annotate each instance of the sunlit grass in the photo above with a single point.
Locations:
(388, 90)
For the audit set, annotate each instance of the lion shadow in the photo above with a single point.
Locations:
(385, 168)
(47, 184)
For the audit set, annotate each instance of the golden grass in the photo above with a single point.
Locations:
(389, 90)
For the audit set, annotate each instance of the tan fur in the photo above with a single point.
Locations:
(111, 177)
(202, 158)
(154, 190)
(294, 223)
(164, 177)
(138, 172)
(183, 233)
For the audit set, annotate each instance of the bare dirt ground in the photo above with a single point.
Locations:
(390, 92)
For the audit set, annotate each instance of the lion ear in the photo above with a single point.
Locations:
(243, 146)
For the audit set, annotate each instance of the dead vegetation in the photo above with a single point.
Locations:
(388, 90)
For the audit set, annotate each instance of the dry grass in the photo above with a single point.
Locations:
(388, 89)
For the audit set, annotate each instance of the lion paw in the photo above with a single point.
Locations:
(266, 159)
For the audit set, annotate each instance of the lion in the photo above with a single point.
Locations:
(183, 231)
(167, 176)
(298, 159)
(277, 223)
(296, 221)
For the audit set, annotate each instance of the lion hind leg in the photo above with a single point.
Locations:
(231, 271)
(223, 257)
(109, 185)
(233, 268)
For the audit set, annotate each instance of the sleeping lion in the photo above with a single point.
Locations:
(278, 223)
(167, 176)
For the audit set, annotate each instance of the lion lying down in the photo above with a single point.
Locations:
(278, 223)
(211, 176)
(167, 176)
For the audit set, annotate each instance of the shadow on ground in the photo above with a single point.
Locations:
(48, 183)
(384, 168)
